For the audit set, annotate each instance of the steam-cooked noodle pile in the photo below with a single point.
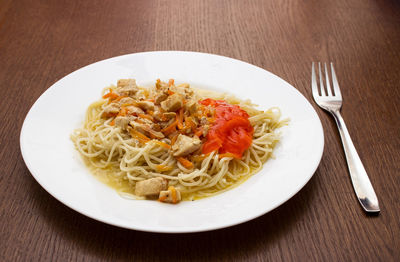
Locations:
(173, 142)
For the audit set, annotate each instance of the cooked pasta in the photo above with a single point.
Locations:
(173, 142)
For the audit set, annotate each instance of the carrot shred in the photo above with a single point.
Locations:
(152, 136)
(162, 144)
(186, 163)
(163, 168)
(199, 132)
(112, 123)
(119, 98)
(179, 118)
(139, 136)
(170, 92)
(162, 198)
(199, 158)
(108, 94)
(123, 111)
(111, 95)
(227, 155)
(146, 116)
(169, 129)
(211, 120)
(171, 82)
(190, 123)
(173, 194)
(173, 139)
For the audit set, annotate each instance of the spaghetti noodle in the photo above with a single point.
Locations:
(167, 142)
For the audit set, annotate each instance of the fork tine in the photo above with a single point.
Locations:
(335, 83)
(321, 83)
(328, 85)
(314, 85)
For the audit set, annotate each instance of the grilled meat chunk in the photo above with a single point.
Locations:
(151, 187)
(110, 110)
(134, 110)
(172, 103)
(127, 87)
(145, 105)
(172, 195)
(185, 145)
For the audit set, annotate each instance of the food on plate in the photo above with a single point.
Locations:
(174, 142)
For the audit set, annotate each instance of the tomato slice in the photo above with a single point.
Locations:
(231, 131)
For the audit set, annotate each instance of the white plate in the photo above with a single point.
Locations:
(51, 158)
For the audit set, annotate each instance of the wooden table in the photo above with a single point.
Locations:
(42, 41)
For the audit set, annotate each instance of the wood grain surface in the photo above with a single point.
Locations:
(42, 41)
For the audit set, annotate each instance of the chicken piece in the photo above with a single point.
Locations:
(127, 101)
(183, 89)
(158, 116)
(134, 110)
(159, 97)
(151, 187)
(127, 91)
(146, 105)
(140, 95)
(185, 145)
(110, 110)
(127, 87)
(125, 82)
(191, 106)
(172, 103)
(160, 85)
(123, 121)
(172, 195)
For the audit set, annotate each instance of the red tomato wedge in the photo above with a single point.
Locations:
(231, 131)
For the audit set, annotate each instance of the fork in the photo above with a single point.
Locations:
(332, 102)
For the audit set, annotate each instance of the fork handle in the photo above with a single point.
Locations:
(361, 183)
